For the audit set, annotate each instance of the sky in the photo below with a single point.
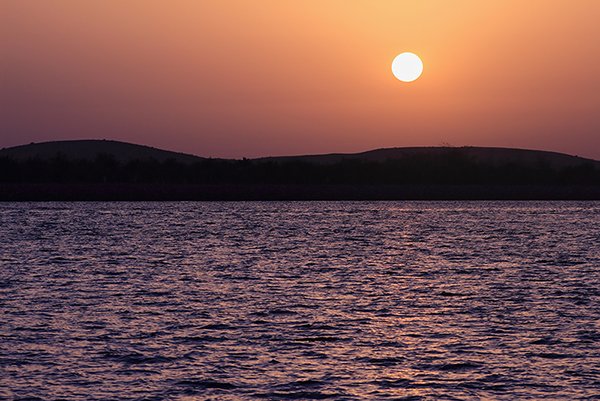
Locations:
(248, 78)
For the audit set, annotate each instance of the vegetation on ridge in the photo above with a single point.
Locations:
(450, 167)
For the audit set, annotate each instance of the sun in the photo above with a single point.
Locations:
(407, 67)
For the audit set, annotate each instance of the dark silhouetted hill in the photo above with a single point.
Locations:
(110, 170)
(91, 149)
(487, 155)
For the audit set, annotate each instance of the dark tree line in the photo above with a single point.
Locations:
(451, 168)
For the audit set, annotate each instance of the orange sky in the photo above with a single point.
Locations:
(237, 78)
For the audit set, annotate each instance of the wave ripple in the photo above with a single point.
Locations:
(300, 300)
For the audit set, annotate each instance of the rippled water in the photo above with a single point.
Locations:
(321, 300)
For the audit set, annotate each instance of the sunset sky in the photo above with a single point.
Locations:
(246, 78)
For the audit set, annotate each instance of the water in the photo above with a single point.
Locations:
(323, 300)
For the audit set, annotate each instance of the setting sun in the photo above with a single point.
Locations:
(407, 67)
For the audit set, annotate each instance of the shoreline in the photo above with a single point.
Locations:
(272, 192)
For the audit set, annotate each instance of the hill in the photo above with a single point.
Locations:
(91, 149)
(110, 170)
(126, 152)
(485, 155)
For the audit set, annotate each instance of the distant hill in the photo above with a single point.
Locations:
(110, 170)
(486, 155)
(91, 149)
(124, 152)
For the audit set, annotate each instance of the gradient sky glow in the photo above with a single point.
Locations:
(233, 78)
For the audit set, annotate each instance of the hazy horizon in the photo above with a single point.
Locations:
(237, 78)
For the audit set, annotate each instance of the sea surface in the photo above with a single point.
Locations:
(300, 301)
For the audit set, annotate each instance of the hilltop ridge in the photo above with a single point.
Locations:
(89, 149)
(124, 152)
(493, 155)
